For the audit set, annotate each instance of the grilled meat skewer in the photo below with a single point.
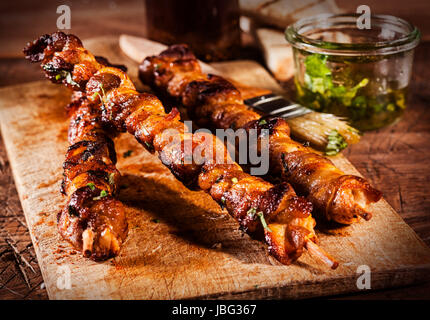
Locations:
(261, 208)
(214, 102)
(93, 220)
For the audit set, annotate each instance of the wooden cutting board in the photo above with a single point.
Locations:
(180, 244)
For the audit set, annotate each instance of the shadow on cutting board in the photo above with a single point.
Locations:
(187, 217)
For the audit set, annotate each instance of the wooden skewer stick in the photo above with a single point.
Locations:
(87, 242)
(320, 254)
(366, 216)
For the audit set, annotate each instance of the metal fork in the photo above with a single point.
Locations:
(276, 105)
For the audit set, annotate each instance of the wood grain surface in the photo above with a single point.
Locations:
(175, 258)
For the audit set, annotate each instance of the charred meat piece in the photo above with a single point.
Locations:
(93, 220)
(214, 102)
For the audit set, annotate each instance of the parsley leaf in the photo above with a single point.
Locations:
(262, 122)
(68, 76)
(91, 186)
(103, 194)
(263, 221)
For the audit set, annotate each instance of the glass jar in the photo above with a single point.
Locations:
(361, 74)
(209, 27)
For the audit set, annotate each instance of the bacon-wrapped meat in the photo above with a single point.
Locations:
(92, 220)
(214, 102)
(260, 207)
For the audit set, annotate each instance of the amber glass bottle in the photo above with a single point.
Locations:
(209, 27)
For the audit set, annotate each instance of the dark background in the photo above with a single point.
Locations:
(395, 159)
(23, 20)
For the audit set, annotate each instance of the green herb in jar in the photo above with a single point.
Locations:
(360, 74)
(319, 80)
(346, 87)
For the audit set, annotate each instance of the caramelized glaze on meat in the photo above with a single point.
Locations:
(93, 221)
(250, 200)
(214, 102)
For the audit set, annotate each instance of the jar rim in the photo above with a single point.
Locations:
(407, 41)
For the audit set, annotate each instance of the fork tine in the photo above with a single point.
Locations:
(252, 101)
(296, 113)
(267, 99)
(276, 105)
(270, 104)
(286, 109)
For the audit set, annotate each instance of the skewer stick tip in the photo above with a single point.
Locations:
(365, 215)
(87, 242)
(321, 255)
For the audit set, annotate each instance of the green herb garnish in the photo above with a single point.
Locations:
(391, 107)
(127, 153)
(251, 213)
(263, 221)
(102, 89)
(61, 75)
(219, 179)
(68, 76)
(103, 194)
(155, 220)
(336, 143)
(94, 96)
(91, 185)
(261, 122)
(49, 67)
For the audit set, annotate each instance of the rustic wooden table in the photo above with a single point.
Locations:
(395, 159)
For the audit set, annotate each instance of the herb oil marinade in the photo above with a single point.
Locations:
(371, 91)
